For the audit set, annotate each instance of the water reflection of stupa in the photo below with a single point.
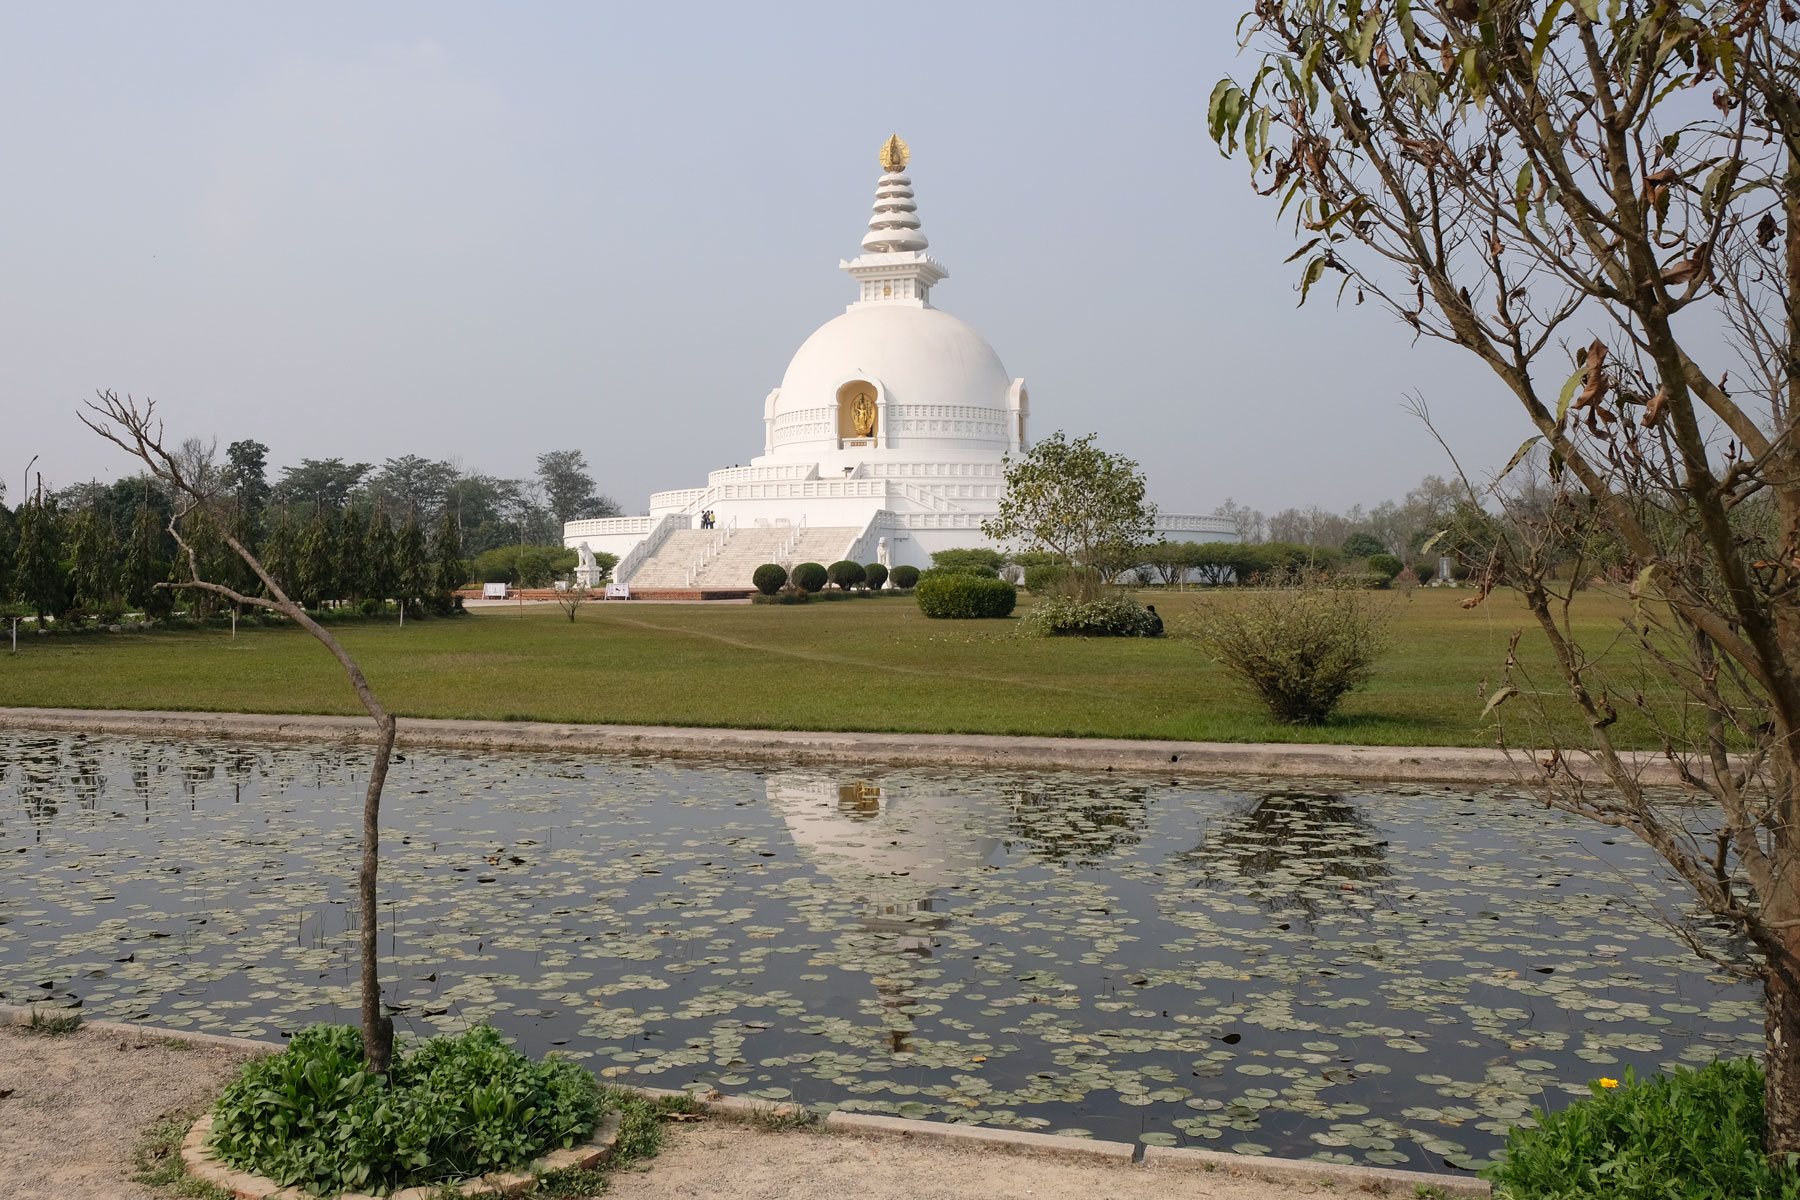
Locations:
(894, 851)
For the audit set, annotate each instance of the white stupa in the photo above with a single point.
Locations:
(885, 441)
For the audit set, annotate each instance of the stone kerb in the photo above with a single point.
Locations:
(200, 1162)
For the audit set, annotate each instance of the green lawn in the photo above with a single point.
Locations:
(857, 665)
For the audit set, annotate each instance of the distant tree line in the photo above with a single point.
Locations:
(332, 534)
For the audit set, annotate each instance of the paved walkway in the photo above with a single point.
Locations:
(1427, 764)
(75, 1106)
(715, 1159)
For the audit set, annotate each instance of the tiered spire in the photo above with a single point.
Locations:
(895, 225)
(893, 266)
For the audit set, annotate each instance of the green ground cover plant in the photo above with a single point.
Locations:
(875, 667)
(1104, 616)
(1689, 1135)
(451, 1107)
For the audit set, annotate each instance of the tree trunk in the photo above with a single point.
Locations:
(1781, 1056)
(377, 1028)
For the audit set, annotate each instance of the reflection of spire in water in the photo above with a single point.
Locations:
(1296, 851)
(893, 850)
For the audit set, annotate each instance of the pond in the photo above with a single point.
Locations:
(1388, 976)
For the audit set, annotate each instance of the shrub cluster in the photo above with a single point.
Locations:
(311, 1116)
(1106, 616)
(809, 577)
(769, 578)
(905, 577)
(874, 575)
(1299, 648)
(1691, 1135)
(960, 596)
(1386, 564)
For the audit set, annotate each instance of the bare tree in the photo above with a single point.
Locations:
(1523, 177)
(573, 597)
(195, 486)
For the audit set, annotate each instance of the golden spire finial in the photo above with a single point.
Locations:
(894, 154)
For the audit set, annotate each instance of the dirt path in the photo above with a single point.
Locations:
(73, 1106)
(714, 1159)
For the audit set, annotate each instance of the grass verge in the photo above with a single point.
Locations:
(858, 666)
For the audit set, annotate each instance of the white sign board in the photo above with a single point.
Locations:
(493, 591)
(618, 591)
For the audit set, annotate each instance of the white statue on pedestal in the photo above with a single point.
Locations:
(587, 573)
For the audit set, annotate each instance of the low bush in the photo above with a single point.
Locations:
(808, 577)
(1106, 616)
(874, 575)
(1300, 648)
(1368, 581)
(1690, 1135)
(1044, 579)
(451, 1107)
(784, 596)
(1385, 564)
(905, 577)
(961, 597)
(769, 578)
(845, 574)
(980, 561)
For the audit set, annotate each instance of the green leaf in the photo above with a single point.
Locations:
(1403, 14)
(1365, 38)
(1568, 392)
(1223, 110)
(1302, 250)
(1315, 270)
(1500, 696)
(1518, 456)
(1433, 540)
(1522, 191)
(1541, 42)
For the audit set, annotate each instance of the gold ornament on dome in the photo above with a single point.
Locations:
(895, 155)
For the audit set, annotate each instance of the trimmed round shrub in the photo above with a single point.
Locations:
(1108, 616)
(769, 578)
(904, 577)
(451, 1107)
(874, 574)
(845, 574)
(961, 596)
(808, 577)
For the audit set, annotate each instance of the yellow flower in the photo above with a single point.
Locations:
(1609, 1083)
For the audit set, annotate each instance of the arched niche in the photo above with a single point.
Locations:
(859, 404)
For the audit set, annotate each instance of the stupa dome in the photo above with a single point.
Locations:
(939, 379)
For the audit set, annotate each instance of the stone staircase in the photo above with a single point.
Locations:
(673, 564)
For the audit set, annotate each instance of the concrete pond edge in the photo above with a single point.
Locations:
(1372, 1180)
(1387, 764)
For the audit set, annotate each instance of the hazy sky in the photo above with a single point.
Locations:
(481, 232)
